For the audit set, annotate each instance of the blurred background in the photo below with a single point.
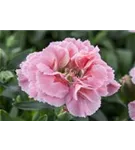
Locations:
(117, 48)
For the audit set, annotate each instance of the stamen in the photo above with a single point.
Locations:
(71, 73)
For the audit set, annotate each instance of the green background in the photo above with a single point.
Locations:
(117, 48)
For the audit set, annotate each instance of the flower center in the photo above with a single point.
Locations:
(70, 74)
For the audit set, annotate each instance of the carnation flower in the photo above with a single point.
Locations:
(131, 105)
(69, 72)
(132, 74)
(132, 31)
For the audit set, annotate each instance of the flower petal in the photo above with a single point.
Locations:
(23, 81)
(131, 107)
(86, 104)
(54, 101)
(48, 86)
(113, 87)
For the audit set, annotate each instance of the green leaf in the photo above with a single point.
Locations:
(64, 116)
(20, 39)
(131, 43)
(80, 119)
(1, 89)
(124, 59)
(114, 99)
(32, 105)
(77, 34)
(4, 116)
(99, 116)
(118, 35)
(14, 112)
(111, 59)
(1, 34)
(16, 60)
(36, 116)
(50, 114)
(91, 36)
(37, 36)
(11, 91)
(17, 39)
(10, 41)
(43, 118)
(17, 119)
(3, 58)
(14, 52)
(26, 115)
(63, 34)
(100, 37)
(57, 110)
(6, 76)
(108, 44)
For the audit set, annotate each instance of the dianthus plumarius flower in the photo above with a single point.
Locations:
(132, 74)
(131, 108)
(132, 31)
(69, 72)
(131, 105)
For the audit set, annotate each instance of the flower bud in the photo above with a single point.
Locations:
(18, 99)
(64, 114)
(127, 89)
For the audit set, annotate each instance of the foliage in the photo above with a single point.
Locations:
(117, 49)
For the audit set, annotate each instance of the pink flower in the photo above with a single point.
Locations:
(131, 107)
(132, 74)
(132, 31)
(69, 72)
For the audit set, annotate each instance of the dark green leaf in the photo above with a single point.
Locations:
(6, 76)
(17, 119)
(80, 119)
(3, 58)
(32, 105)
(114, 99)
(64, 116)
(111, 59)
(26, 115)
(78, 34)
(14, 112)
(100, 37)
(37, 36)
(131, 43)
(36, 116)
(14, 52)
(10, 91)
(1, 88)
(22, 38)
(14, 63)
(43, 118)
(99, 116)
(108, 45)
(4, 116)
(125, 60)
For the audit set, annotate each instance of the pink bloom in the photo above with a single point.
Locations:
(132, 31)
(131, 107)
(69, 72)
(132, 74)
